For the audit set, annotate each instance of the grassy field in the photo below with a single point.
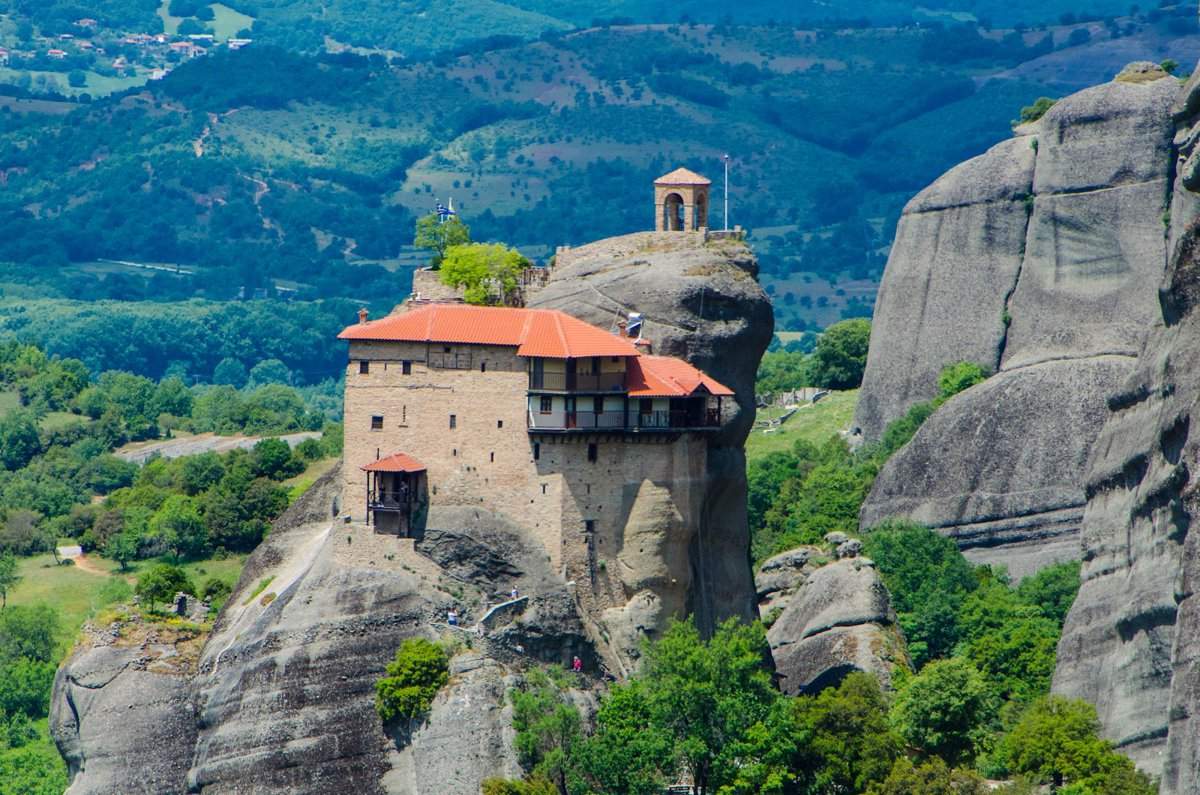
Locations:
(9, 401)
(97, 85)
(300, 483)
(814, 423)
(227, 22)
(78, 592)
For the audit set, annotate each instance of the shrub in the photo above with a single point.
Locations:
(161, 583)
(947, 710)
(1037, 110)
(420, 669)
(841, 355)
(959, 376)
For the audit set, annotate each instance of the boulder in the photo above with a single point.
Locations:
(830, 621)
(1038, 260)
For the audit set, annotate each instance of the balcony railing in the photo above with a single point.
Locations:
(391, 501)
(578, 382)
(618, 421)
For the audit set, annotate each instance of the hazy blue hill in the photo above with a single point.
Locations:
(268, 166)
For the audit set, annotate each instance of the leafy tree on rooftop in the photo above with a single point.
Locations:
(438, 237)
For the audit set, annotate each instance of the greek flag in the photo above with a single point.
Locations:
(444, 212)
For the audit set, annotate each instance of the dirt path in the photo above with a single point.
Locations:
(202, 443)
(84, 563)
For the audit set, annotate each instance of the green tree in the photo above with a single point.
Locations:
(161, 583)
(231, 372)
(177, 522)
(76, 78)
(629, 753)
(200, 472)
(715, 703)
(928, 579)
(841, 355)
(1010, 641)
(420, 669)
(9, 576)
(273, 459)
(947, 710)
(270, 371)
(932, 777)
(1057, 741)
(29, 632)
(1052, 590)
(530, 786)
(438, 237)
(782, 371)
(123, 548)
(19, 441)
(549, 729)
(488, 272)
(844, 739)
(173, 397)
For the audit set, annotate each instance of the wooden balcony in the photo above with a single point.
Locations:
(672, 421)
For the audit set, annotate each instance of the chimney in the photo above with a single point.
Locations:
(362, 315)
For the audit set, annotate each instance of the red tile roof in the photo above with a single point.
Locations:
(544, 333)
(682, 176)
(397, 462)
(666, 376)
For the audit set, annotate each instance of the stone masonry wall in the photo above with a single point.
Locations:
(646, 484)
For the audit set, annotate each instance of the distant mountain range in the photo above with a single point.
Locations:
(274, 166)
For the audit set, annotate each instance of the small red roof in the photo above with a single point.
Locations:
(682, 176)
(666, 376)
(546, 333)
(397, 462)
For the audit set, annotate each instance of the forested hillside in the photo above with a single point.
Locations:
(277, 168)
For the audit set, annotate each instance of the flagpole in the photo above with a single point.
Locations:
(726, 159)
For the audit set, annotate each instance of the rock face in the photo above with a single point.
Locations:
(701, 302)
(122, 705)
(1131, 640)
(1038, 259)
(827, 620)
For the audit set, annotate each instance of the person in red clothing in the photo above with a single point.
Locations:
(577, 665)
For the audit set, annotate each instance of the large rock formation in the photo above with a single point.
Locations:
(827, 621)
(701, 302)
(1131, 640)
(281, 698)
(1038, 259)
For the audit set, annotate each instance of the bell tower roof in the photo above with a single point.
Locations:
(682, 176)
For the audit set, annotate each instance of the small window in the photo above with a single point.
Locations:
(537, 450)
(446, 349)
(543, 488)
(406, 368)
(377, 422)
(453, 421)
(592, 452)
(364, 367)
(547, 405)
(404, 415)
(589, 526)
(454, 452)
(598, 404)
(499, 423)
(492, 457)
(483, 367)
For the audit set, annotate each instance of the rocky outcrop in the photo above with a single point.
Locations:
(827, 621)
(701, 302)
(1038, 259)
(122, 704)
(1130, 641)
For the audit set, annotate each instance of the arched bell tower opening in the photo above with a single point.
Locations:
(681, 201)
(673, 212)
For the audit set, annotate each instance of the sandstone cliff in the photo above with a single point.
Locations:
(1038, 259)
(1130, 641)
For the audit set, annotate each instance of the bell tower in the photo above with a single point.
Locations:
(681, 201)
